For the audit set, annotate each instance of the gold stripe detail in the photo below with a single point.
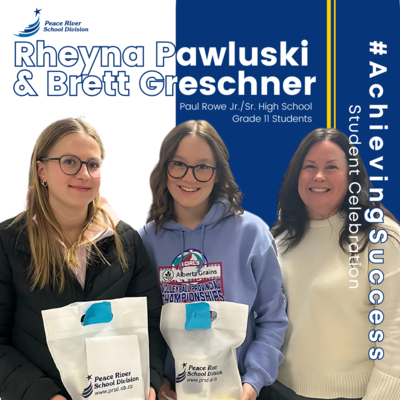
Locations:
(334, 64)
(329, 63)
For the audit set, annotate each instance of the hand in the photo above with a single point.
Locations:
(249, 393)
(58, 397)
(152, 394)
(166, 389)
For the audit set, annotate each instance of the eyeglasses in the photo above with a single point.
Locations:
(201, 172)
(71, 165)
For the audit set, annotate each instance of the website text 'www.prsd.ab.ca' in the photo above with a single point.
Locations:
(112, 390)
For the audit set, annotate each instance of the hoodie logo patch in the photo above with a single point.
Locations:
(191, 257)
(192, 283)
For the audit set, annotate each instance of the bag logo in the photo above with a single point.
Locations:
(182, 376)
(196, 374)
(88, 390)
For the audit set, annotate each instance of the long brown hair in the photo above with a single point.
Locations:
(162, 208)
(51, 263)
(292, 213)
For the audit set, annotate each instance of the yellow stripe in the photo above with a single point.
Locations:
(328, 64)
(334, 64)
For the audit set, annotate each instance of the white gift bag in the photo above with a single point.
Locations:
(205, 355)
(108, 360)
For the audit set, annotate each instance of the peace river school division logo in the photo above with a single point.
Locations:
(32, 28)
(89, 389)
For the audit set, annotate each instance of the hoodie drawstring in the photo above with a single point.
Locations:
(183, 249)
(201, 249)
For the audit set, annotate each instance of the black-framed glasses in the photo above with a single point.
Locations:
(201, 172)
(71, 165)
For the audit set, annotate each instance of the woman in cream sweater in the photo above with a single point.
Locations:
(339, 253)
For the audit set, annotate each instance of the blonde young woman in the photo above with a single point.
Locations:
(65, 247)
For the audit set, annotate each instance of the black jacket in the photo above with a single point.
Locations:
(27, 370)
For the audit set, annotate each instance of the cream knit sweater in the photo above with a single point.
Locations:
(326, 344)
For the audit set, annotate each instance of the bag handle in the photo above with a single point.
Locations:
(98, 313)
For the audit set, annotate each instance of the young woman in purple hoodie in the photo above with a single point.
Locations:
(205, 247)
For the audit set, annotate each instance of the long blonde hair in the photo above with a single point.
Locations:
(51, 264)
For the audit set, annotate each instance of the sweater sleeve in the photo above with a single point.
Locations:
(385, 379)
(19, 378)
(263, 355)
(144, 283)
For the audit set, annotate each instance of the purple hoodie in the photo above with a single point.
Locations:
(232, 258)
